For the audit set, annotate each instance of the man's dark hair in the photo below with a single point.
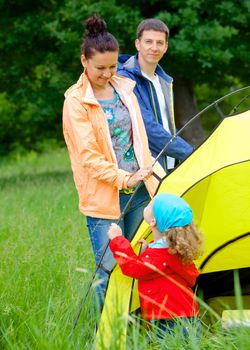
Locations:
(152, 24)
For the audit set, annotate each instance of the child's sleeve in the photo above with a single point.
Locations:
(130, 264)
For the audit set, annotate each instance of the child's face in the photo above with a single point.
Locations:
(148, 213)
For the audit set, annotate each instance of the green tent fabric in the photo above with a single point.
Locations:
(215, 181)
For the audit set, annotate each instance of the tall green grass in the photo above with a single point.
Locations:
(43, 242)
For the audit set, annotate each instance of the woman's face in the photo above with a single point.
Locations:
(100, 67)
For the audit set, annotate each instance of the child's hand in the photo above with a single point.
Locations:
(114, 231)
(144, 244)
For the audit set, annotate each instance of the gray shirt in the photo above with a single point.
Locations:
(120, 128)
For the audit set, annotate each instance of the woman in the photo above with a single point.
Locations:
(107, 143)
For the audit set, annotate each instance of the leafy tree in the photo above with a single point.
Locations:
(209, 44)
(40, 56)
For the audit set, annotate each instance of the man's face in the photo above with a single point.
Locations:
(151, 46)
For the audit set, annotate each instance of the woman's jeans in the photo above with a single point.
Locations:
(98, 229)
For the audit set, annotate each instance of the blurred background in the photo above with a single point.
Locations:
(208, 57)
(46, 256)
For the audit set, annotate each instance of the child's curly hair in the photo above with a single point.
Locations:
(186, 241)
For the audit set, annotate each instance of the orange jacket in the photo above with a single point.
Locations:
(96, 174)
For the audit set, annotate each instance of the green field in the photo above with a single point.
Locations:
(43, 245)
(43, 242)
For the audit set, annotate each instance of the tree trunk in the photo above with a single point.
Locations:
(185, 108)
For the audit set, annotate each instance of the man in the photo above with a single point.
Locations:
(154, 90)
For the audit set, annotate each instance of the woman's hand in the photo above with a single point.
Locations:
(114, 231)
(140, 175)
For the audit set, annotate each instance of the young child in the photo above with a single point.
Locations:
(165, 269)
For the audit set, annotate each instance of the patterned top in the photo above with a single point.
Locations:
(120, 128)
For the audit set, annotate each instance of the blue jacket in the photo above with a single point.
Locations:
(144, 90)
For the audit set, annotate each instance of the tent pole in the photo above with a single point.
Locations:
(214, 104)
(107, 245)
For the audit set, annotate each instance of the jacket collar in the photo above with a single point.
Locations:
(131, 64)
(122, 85)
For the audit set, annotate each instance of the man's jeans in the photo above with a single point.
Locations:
(98, 229)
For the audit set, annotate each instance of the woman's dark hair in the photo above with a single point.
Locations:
(97, 39)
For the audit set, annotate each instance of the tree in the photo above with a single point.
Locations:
(209, 43)
(40, 56)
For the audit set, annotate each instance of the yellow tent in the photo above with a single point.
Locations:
(215, 181)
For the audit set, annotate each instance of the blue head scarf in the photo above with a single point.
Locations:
(171, 211)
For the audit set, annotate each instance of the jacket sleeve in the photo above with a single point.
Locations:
(81, 141)
(158, 137)
(131, 265)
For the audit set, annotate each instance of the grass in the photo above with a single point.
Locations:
(43, 241)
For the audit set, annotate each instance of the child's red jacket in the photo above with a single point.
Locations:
(164, 282)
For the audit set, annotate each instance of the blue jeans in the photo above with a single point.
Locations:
(98, 229)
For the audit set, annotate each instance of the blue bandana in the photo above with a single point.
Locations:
(171, 211)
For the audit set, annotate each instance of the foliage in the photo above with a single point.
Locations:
(40, 59)
(40, 49)
(210, 38)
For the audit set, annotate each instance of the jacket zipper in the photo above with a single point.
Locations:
(156, 117)
(172, 107)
